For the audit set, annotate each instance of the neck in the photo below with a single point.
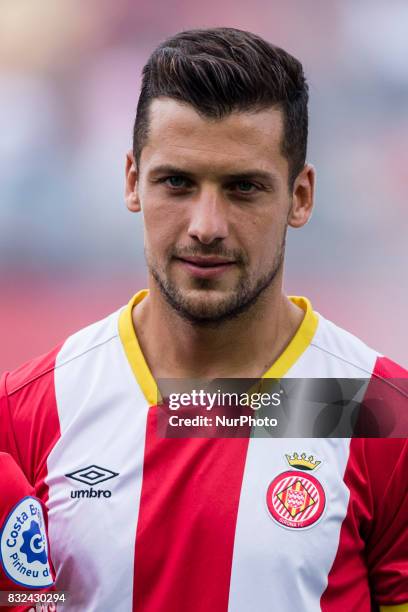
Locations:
(243, 347)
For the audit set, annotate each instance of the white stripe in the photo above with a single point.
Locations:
(102, 415)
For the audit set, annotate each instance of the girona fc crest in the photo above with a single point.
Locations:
(295, 500)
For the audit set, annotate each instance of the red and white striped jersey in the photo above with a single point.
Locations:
(141, 523)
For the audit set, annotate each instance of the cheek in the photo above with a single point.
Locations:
(257, 232)
(163, 227)
(262, 241)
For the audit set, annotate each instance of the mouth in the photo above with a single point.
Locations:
(206, 267)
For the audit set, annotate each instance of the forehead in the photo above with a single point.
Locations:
(177, 133)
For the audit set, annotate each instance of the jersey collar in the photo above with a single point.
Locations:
(297, 345)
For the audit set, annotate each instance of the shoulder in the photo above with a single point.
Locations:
(377, 383)
(350, 355)
(90, 338)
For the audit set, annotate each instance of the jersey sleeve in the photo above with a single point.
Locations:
(29, 423)
(24, 547)
(387, 464)
(387, 542)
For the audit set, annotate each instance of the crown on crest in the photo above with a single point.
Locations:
(302, 462)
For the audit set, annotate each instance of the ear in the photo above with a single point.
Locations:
(302, 197)
(131, 192)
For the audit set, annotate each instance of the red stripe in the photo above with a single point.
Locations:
(347, 587)
(187, 518)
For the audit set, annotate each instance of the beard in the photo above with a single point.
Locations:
(203, 312)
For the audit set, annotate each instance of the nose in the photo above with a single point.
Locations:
(208, 219)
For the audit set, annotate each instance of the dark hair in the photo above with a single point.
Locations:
(221, 70)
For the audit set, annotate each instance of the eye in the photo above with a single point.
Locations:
(176, 181)
(245, 186)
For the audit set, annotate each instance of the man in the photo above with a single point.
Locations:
(142, 522)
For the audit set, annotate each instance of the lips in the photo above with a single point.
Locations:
(207, 262)
(206, 267)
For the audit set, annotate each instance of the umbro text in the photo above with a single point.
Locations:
(90, 493)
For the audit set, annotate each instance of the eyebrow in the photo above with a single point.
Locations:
(253, 174)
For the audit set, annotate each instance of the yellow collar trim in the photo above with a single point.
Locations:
(144, 377)
(299, 342)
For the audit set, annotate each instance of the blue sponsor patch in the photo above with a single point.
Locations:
(23, 546)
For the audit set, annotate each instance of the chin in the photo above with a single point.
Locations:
(206, 303)
(206, 308)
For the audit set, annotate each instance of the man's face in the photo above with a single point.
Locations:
(215, 199)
